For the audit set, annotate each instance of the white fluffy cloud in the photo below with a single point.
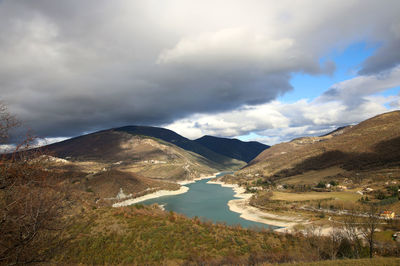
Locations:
(352, 91)
(276, 121)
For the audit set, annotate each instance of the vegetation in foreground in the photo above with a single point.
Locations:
(147, 235)
(353, 262)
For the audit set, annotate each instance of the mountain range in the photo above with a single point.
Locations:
(141, 158)
(152, 155)
(115, 144)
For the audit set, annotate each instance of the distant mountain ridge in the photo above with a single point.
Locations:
(116, 145)
(219, 150)
(178, 140)
(234, 148)
(179, 156)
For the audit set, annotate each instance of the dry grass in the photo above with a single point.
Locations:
(311, 177)
(385, 236)
(285, 196)
(143, 235)
(353, 262)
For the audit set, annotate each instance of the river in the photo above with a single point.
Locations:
(206, 201)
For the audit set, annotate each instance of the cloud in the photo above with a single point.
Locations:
(386, 58)
(70, 67)
(8, 148)
(352, 91)
(239, 49)
(277, 121)
(288, 121)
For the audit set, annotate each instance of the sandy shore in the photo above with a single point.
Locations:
(156, 194)
(161, 193)
(185, 182)
(318, 230)
(241, 205)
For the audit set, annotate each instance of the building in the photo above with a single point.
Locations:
(368, 190)
(388, 214)
(396, 236)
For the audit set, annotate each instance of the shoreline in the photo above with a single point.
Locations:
(191, 181)
(156, 194)
(161, 193)
(239, 205)
(254, 214)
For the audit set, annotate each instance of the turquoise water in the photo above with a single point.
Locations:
(206, 201)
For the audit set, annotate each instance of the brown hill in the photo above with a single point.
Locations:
(144, 155)
(170, 136)
(107, 186)
(116, 164)
(115, 185)
(368, 148)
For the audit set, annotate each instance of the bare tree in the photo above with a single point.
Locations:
(334, 241)
(369, 226)
(30, 203)
(7, 122)
(352, 233)
(313, 236)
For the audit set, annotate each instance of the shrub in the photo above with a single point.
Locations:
(321, 184)
(333, 183)
(387, 201)
(380, 195)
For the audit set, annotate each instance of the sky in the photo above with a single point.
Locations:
(268, 71)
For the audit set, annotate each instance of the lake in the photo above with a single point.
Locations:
(206, 201)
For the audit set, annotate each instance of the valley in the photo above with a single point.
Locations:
(310, 181)
(136, 161)
(307, 191)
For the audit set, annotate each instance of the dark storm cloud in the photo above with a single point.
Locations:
(69, 67)
(73, 66)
